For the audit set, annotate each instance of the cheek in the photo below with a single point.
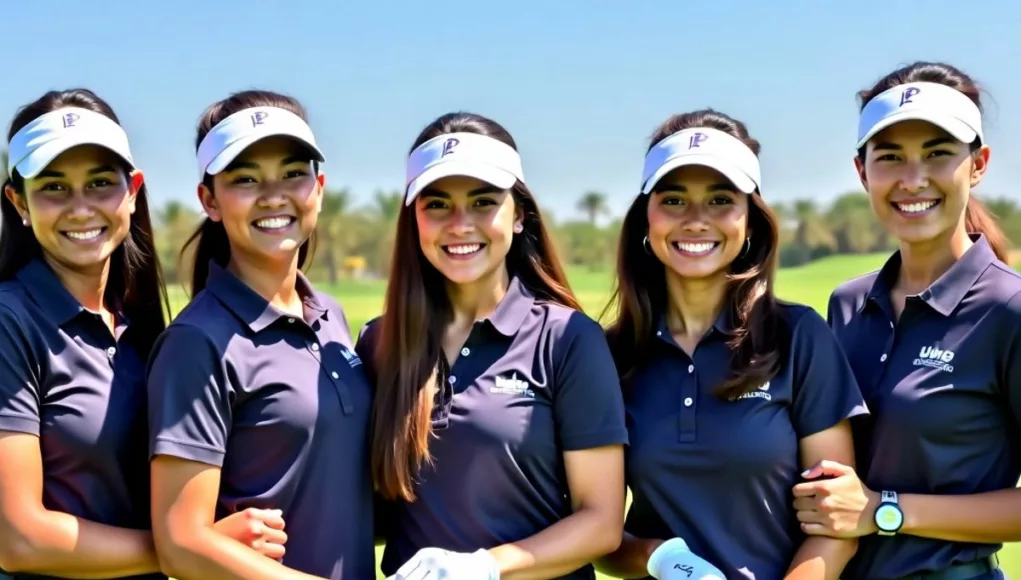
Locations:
(661, 222)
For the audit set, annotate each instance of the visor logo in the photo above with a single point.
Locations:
(907, 95)
(449, 145)
(70, 119)
(696, 140)
(259, 118)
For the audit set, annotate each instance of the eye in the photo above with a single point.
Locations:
(51, 186)
(434, 204)
(100, 182)
(671, 200)
(485, 201)
(721, 200)
(887, 157)
(242, 179)
(295, 173)
(941, 153)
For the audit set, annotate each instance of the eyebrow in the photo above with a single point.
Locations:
(888, 146)
(485, 189)
(93, 171)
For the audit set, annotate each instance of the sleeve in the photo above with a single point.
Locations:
(365, 348)
(20, 392)
(1010, 359)
(588, 405)
(825, 389)
(190, 397)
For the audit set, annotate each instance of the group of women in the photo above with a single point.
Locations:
(483, 426)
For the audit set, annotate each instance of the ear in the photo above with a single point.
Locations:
(18, 201)
(979, 165)
(208, 201)
(137, 181)
(859, 167)
(321, 180)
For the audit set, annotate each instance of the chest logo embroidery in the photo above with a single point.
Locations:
(761, 393)
(933, 357)
(351, 357)
(512, 386)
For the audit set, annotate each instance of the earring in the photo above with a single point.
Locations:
(646, 246)
(518, 228)
(24, 220)
(747, 247)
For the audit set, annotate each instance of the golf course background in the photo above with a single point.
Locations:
(809, 284)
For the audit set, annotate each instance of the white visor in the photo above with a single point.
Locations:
(703, 146)
(41, 141)
(943, 106)
(231, 136)
(467, 154)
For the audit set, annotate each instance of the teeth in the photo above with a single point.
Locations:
(464, 249)
(273, 223)
(87, 235)
(916, 207)
(697, 248)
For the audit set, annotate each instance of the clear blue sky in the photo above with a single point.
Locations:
(580, 83)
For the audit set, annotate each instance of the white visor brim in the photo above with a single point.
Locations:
(465, 154)
(40, 142)
(229, 138)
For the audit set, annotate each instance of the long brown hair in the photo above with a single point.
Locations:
(210, 238)
(640, 298)
(136, 281)
(417, 309)
(977, 219)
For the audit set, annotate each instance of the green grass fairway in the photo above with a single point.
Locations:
(809, 284)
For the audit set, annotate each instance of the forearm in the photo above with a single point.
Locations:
(821, 558)
(630, 560)
(567, 545)
(59, 544)
(992, 518)
(205, 554)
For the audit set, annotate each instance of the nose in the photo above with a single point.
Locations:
(461, 222)
(915, 178)
(273, 196)
(694, 219)
(81, 208)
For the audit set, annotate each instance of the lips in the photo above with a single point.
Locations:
(84, 235)
(915, 206)
(463, 250)
(695, 248)
(274, 223)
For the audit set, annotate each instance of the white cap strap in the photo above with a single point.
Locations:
(468, 154)
(231, 136)
(703, 146)
(936, 103)
(41, 141)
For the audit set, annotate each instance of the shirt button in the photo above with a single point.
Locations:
(691, 369)
(335, 375)
(290, 321)
(452, 380)
(315, 347)
(659, 333)
(111, 351)
(891, 324)
(465, 351)
(882, 358)
(688, 401)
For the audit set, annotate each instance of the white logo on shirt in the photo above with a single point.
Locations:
(761, 393)
(351, 357)
(512, 386)
(934, 357)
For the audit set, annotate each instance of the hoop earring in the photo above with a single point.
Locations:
(747, 247)
(646, 246)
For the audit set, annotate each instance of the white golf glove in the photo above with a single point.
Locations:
(439, 564)
(672, 560)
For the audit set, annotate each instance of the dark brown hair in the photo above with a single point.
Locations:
(977, 218)
(135, 282)
(409, 350)
(640, 298)
(210, 238)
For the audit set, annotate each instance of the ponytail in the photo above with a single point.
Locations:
(978, 220)
(18, 244)
(211, 245)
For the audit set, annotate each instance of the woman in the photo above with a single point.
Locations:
(729, 392)
(498, 422)
(256, 399)
(933, 340)
(81, 303)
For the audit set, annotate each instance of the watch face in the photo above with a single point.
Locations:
(889, 518)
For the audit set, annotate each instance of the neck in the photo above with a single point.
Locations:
(88, 287)
(474, 301)
(276, 282)
(923, 263)
(694, 303)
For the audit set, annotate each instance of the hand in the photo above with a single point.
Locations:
(439, 564)
(672, 560)
(260, 530)
(841, 507)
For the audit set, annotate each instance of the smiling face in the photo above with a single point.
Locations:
(919, 180)
(466, 227)
(80, 207)
(698, 222)
(268, 200)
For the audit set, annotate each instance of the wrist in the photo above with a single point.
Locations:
(872, 505)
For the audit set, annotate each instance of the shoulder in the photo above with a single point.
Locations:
(852, 292)
(564, 326)
(203, 325)
(999, 282)
(804, 322)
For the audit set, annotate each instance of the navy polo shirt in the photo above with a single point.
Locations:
(944, 387)
(65, 378)
(719, 472)
(533, 380)
(281, 405)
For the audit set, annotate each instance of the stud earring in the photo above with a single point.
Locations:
(24, 220)
(518, 228)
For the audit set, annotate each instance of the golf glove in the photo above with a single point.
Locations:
(439, 564)
(672, 560)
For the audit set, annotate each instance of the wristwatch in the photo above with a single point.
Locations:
(889, 517)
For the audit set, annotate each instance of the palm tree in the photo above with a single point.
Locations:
(331, 230)
(3, 165)
(592, 203)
